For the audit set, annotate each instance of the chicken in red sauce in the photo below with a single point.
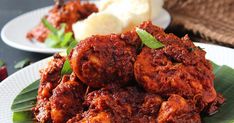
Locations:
(115, 80)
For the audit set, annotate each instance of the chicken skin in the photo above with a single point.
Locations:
(68, 13)
(178, 68)
(66, 101)
(178, 110)
(100, 61)
(92, 116)
(120, 106)
(50, 77)
(115, 80)
(59, 97)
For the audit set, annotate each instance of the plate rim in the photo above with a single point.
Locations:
(23, 47)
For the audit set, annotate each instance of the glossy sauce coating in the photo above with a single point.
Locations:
(50, 77)
(178, 68)
(120, 106)
(115, 81)
(66, 101)
(99, 61)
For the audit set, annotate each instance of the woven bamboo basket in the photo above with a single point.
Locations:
(213, 20)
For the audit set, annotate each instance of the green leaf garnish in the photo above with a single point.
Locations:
(58, 38)
(215, 67)
(66, 39)
(23, 117)
(62, 30)
(66, 68)
(22, 63)
(49, 26)
(52, 41)
(224, 84)
(1, 63)
(71, 46)
(26, 99)
(149, 40)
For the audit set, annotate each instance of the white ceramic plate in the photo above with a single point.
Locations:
(14, 32)
(11, 86)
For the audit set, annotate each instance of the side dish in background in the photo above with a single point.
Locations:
(126, 14)
(68, 13)
(127, 78)
(82, 20)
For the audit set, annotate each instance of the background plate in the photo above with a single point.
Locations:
(14, 32)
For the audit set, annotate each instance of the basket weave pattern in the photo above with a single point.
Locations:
(211, 19)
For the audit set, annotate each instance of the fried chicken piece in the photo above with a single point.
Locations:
(86, 9)
(66, 101)
(177, 82)
(122, 105)
(68, 13)
(178, 68)
(100, 61)
(50, 77)
(213, 107)
(178, 110)
(92, 116)
(151, 104)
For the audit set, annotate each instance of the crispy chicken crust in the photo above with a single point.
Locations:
(50, 77)
(99, 61)
(119, 106)
(59, 97)
(127, 84)
(178, 68)
(66, 101)
(178, 110)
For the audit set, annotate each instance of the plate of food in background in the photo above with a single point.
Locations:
(52, 29)
(144, 75)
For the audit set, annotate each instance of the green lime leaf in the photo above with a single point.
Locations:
(49, 26)
(58, 38)
(61, 31)
(23, 63)
(23, 117)
(149, 40)
(52, 41)
(1, 63)
(66, 39)
(66, 68)
(71, 46)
